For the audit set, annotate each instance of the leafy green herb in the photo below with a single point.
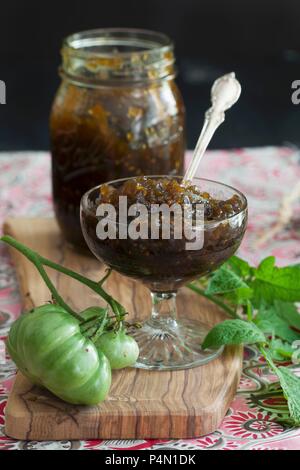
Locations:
(288, 312)
(233, 332)
(273, 283)
(268, 320)
(280, 350)
(262, 302)
(225, 280)
(290, 385)
(240, 266)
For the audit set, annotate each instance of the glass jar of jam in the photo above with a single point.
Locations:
(117, 113)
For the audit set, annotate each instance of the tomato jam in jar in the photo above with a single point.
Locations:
(117, 113)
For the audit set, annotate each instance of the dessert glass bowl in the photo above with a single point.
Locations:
(167, 340)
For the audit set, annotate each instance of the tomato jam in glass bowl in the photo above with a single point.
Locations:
(117, 113)
(166, 341)
(166, 264)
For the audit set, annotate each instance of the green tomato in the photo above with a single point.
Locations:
(120, 349)
(92, 312)
(48, 347)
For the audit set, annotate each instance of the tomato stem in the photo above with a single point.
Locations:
(36, 260)
(96, 335)
(117, 308)
(218, 302)
(108, 273)
(39, 261)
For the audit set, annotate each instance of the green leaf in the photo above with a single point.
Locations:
(280, 350)
(225, 280)
(239, 296)
(266, 266)
(233, 332)
(288, 312)
(268, 321)
(239, 266)
(290, 384)
(265, 325)
(273, 283)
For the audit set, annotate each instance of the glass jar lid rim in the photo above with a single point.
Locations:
(148, 42)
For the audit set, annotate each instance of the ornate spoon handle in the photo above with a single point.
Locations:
(225, 92)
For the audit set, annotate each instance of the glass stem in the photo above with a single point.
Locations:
(164, 306)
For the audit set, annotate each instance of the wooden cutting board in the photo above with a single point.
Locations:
(141, 404)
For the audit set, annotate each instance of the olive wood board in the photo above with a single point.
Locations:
(141, 404)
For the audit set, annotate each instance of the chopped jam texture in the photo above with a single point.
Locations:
(164, 264)
(102, 134)
(147, 191)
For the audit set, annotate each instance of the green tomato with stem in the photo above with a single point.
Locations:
(49, 348)
(121, 349)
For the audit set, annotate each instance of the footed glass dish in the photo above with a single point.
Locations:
(167, 341)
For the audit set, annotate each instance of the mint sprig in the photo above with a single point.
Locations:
(290, 384)
(272, 283)
(233, 332)
(270, 322)
(262, 303)
(280, 350)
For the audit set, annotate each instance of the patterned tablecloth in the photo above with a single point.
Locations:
(255, 418)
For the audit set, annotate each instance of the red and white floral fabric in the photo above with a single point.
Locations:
(257, 418)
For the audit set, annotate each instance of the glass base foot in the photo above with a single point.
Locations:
(166, 344)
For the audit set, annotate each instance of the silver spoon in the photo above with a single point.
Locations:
(225, 92)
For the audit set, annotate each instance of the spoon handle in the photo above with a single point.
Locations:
(211, 123)
(224, 93)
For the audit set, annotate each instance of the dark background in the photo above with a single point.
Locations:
(258, 39)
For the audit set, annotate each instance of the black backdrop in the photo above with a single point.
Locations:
(259, 39)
